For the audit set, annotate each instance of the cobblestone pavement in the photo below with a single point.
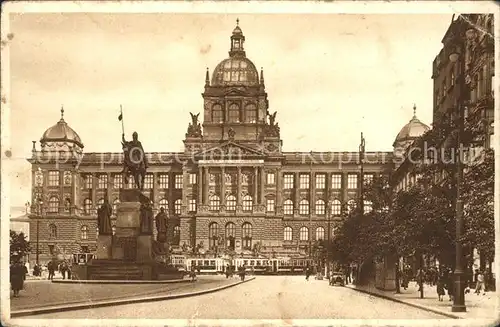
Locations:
(266, 297)
(38, 294)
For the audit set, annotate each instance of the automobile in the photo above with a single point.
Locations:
(337, 278)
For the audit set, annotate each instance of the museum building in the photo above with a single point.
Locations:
(232, 188)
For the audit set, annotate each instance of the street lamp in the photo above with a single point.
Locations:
(459, 297)
(39, 214)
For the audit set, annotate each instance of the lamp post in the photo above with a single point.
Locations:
(457, 56)
(328, 244)
(39, 214)
(361, 185)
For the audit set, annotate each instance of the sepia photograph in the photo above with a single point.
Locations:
(266, 164)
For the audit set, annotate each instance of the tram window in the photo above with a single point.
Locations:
(212, 262)
(193, 262)
(206, 262)
(245, 262)
(258, 262)
(252, 262)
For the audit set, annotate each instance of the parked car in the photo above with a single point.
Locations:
(337, 278)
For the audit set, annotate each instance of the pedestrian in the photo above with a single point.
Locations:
(308, 272)
(440, 288)
(17, 277)
(449, 284)
(227, 271)
(404, 279)
(348, 274)
(480, 283)
(419, 278)
(51, 268)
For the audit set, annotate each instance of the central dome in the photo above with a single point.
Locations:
(61, 133)
(411, 131)
(235, 71)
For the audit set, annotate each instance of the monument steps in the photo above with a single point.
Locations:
(114, 271)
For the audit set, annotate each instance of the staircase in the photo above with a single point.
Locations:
(103, 270)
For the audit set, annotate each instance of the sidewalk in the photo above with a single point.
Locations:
(39, 294)
(478, 306)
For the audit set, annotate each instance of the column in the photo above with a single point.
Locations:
(312, 193)
(238, 196)
(279, 188)
(62, 200)
(255, 179)
(206, 183)
(200, 186)
(344, 187)
(109, 191)
(171, 184)
(185, 184)
(154, 198)
(93, 192)
(262, 185)
(223, 186)
(296, 191)
(328, 185)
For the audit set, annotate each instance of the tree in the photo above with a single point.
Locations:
(19, 246)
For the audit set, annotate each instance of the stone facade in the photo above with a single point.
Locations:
(232, 171)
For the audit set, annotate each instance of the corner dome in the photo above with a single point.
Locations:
(61, 133)
(412, 130)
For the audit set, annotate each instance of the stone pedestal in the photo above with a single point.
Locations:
(144, 248)
(128, 215)
(104, 246)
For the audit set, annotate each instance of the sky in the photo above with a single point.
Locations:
(329, 76)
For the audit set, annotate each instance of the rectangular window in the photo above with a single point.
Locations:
(178, 181)
(271, 178)
(148, 181)
(288, 179)
(88, 181)
(352, 181)
(192, 179)
(102, 181)
(270, 205)
(304, 181)
(163, 180)
(118, 181)
(368, 178)
(53, 178)
(192, 205)
(320, 181)
(251, 115)
(51, 249)
(336, 181)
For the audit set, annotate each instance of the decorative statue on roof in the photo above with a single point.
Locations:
(194, 128)
(272, 129)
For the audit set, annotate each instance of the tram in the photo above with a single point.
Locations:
(210, 266)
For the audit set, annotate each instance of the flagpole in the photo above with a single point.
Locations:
(121, 115)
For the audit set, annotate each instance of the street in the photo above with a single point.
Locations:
(266, 297)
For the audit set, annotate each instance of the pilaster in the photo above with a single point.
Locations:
(238, 178)
(223, 187)
(255, 182)
(205, 184)
(262, 185)
(200, 186)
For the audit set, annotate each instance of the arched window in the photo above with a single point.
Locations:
(115, 206)
(304, 234)
(288, 207)
(367, 206)
(247, 203)
(251, 113)
(234, 113)
(53, 204)
(84, 235)
(304, 207)
(164, 204)
(336, 207)
(287, 233)
(52, 231)
(87, 206)
(247, 236)
(214, 203)
(320, 207)
(230, 234)
(217, 114)
(177, 206)
(213, 235)
(231, 203)
(320, 233)
(351, 204)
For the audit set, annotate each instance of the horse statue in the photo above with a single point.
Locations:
(134, 161)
